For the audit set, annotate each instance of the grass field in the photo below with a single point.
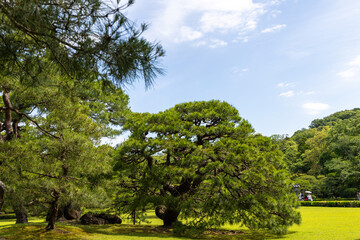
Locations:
(319, 223)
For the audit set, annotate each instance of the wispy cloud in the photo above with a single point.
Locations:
(287, 94)
(307, 93)
(239, 71)
(201, 20)
(215, 43)
(314, 108)
(275, 13)
(274, 28)
(352, 70)
(285, 84)
(188, 34)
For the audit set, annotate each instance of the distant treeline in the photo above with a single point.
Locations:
(324, 158)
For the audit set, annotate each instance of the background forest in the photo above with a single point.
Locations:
(324, 158)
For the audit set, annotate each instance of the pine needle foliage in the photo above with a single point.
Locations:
(202, 162)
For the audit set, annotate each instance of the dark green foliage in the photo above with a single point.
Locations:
(335, 118)
(85, 40)
(201, 160)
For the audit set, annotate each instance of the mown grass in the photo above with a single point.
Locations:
(319, 223)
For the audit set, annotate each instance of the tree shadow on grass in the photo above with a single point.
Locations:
(128, 230)
(72, 231)
(274, 236)
(161, 232)
(37, 231)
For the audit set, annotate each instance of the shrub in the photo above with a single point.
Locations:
(349, 192)
(331, 203)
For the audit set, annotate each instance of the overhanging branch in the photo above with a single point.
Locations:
(35, 122)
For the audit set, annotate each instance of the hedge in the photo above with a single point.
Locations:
(331, 203)
(7, 216)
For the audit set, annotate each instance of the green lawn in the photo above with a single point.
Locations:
(327, 223)
(319, 223)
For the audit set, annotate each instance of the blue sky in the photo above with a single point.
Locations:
(281, 63)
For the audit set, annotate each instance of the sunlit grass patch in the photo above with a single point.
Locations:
(37, 231)
(320, 223)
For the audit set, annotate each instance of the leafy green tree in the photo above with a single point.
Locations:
(341, 160)
(335, 118)
(201, 162)
(317, 145)
(290, 149)
(329, 148)
(311, 183)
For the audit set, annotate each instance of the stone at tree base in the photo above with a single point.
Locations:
(99, 219)
(109, 218)
(89, 218)
(71, 212)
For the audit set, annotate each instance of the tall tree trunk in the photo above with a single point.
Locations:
(2, 194)
(54, 208)
(16, 129)
(169, 216)
(8, 123)
(20, 212)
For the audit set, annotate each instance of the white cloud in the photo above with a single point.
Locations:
(314, 108)
(188, 34)
(307, 93)
(285, 84)
(200, 43)
(287, 94)
(239, 72)
(215, 43)
(352, 70)
(275, 13)
(274, 28)
(202, 19)
(212, 43)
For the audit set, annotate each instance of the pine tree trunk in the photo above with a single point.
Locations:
(169, 216)
(2, 194)
(54, 208)
(8, 120)
(20, 213)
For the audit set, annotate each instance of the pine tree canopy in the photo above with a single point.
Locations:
(201, 162)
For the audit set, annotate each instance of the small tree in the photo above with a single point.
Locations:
(202, 162)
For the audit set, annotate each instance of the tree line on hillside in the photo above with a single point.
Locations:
(325, 157)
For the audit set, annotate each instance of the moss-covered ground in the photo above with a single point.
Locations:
(319, 223)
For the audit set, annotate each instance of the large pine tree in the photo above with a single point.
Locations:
(202, 162)
(57, 55)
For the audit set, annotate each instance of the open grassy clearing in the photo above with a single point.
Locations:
(319, 223)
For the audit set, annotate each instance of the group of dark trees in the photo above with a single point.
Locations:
(325, 158)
